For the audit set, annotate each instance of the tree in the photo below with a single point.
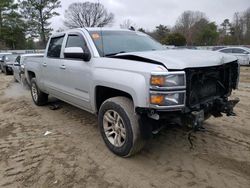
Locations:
(87, 14)
(226, 27)
(185, 23)
(246, 18)
(12, 27)
(237, 29)
(127, 24)
(5, 6)
(37, 14)
(208, 35)
(175, 39)
(13, 31)
(142, 30)
(160, 32)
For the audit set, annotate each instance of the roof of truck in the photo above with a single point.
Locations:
(104, 29)
(89, 29)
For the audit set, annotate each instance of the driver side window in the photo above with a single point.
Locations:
(76, 41)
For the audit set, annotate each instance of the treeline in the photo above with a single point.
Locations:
(26, 25)
(193, 28)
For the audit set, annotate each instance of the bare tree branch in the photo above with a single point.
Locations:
(87, 14)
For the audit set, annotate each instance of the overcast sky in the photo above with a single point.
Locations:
(150, 13)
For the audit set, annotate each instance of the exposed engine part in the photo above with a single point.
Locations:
(224, 106)
(154, 116)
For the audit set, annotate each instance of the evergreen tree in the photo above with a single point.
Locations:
(37, 14)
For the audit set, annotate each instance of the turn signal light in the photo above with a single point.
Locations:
(157, 80)
(157, 99)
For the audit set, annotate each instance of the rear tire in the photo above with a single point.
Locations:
(119, 126)
(39, 98)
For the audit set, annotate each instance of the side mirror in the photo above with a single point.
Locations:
(76, 53)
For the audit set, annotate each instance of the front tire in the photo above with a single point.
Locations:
(119, 126)
(38, 96)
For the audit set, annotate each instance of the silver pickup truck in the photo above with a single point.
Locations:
(131, 82)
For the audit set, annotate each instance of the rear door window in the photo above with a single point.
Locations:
(55, 47)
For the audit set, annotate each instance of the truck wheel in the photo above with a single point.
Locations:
(38, 96)
(119, 126)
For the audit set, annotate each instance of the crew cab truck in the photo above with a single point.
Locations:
(131, 82)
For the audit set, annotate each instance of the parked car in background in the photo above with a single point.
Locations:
(216, 48)
(7, 63)
(1, 57)
(242, 53)
(186, 47)
(19, 67)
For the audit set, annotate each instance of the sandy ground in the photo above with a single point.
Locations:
(74, 155)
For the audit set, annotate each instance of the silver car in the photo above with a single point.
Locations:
(7, 63)
(1, 58)
(19, 67)
(242, 53)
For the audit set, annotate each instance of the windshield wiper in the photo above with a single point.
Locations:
(113, 54)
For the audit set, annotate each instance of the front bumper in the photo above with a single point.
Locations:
(193, 118)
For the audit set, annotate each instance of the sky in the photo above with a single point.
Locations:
(150, 13)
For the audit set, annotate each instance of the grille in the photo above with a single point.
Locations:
(210, 82)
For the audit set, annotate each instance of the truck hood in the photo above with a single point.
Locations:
(180, 59)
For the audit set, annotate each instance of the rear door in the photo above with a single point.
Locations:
(51, 72)
(77, 74)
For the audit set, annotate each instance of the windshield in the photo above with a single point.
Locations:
(111, 43)
(10, 58)
(1, 56)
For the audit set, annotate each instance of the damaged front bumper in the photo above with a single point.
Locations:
(193, 118)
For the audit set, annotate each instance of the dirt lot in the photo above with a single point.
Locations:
(74, 155)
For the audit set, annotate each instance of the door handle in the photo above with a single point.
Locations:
(44, 64)
(63, 67)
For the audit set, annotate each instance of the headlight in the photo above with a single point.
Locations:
(176, 98)
(169, 80)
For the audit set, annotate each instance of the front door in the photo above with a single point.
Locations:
(76, 80)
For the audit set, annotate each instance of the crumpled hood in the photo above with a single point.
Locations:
(181, 59)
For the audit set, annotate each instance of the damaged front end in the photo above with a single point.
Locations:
(204, 93)
(208, 90)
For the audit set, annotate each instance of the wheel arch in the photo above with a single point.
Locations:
(102, 93)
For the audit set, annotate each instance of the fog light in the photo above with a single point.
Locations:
(157, 99)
